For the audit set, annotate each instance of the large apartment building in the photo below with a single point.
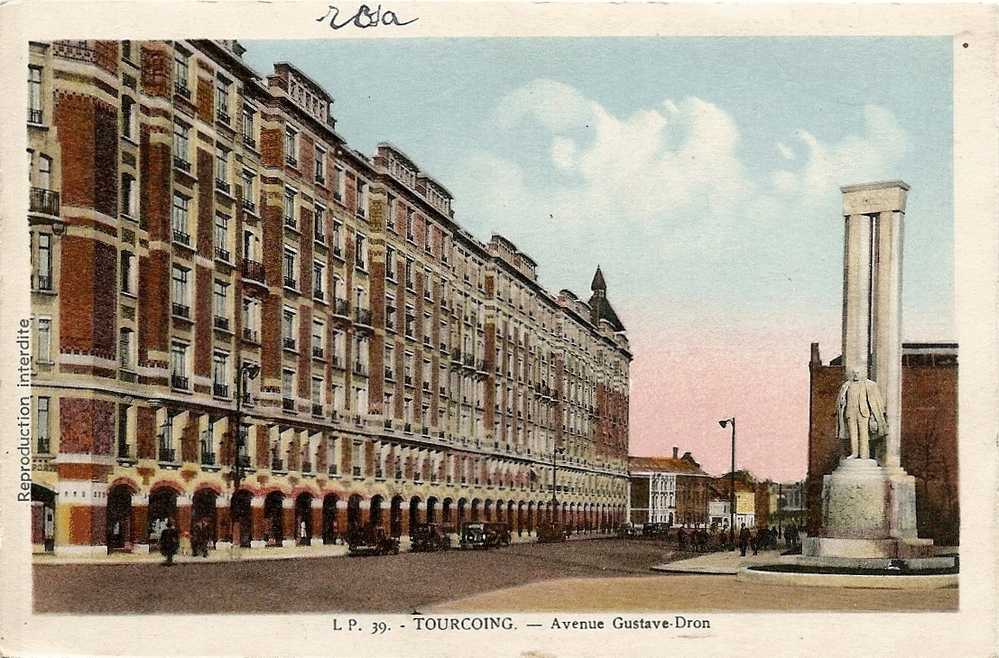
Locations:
(198, 230)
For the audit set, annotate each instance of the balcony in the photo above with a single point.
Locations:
(426, 385)
(253, 270)
(35, 116)
(425, 431)
(207, 458)
(223, 187)
(44, 201)
(337, 361)
(317, 410)
(291, 160)
(222, 116)
(181, 310)
(181, 237)
(409, 380)
(291, 223)
(338, 251)
(332, 469)
(388, 423)
(288, 404)
(318, 294)
(360, 369)
(251, 335)
(221, 323)
(356, 471)
(320, 179)
(290, 282)
(362, 211)
(389, 374)
(426, 340)
(250, 142)
(43, 282)
(167, 455)
(180, 382)
(277, 464)
(306, 467)
(181, 89)
(244, 461)
(182, 164)
(443, 347)
(456, 355)
(407, 427)
(249, 206)
(362, 316)
(220, 390)
(318, 235)
(223, 255)
(288, 343)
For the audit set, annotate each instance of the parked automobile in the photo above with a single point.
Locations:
(480, 534)
(629, 531)
(372, 540)
(655, 530)
(552, 532)
(430, 537)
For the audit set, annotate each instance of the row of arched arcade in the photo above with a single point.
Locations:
(278, 518)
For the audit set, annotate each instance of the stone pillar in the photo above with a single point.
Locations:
(317, 520)
(288, 528)
(888, 327)
(857, 293)
(257, 522)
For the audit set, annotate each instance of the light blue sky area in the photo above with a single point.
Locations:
(702, 174)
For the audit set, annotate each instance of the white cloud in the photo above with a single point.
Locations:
(785, 151)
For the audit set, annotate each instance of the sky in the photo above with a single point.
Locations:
(701, 174)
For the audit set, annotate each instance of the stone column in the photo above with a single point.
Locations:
(888, 327)
(857, 292)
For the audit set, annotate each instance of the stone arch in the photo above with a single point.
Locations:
(395, 516)
(274, 518)
(462, 515)
(447, 512)
(375, 511)
(487, 510)
(432, 509)
(241, 517)
(303, 518)
(162, 509)
(204, 510)
(354, 520)
(118, 519)
(511, 517)
(330, 522)
(473, 514)
(530, 516)
(414, 512)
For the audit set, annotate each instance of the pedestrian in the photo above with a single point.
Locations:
(205, 532)
(681, 539)
(303, 535)
(756, 539)
(169, 542)
(743, 540)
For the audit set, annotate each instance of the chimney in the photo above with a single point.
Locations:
(676, 452)
(816, 359)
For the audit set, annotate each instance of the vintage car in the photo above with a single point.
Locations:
(655, 530)
(431, 537)
(552, 532)
(629, 530)
(371, 540)
(480, 534)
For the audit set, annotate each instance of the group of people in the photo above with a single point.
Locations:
(168, 536)
(717, 539)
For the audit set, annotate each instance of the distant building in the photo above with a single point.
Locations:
(670, 490)
(929, 435)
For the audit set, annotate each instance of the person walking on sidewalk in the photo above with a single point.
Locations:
(169, 542)
(743, 540)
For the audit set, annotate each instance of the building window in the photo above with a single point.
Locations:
(320, 165)
(45, 172)
(251, 319)
(410, 283)
(181, 147)
(220, 374)
(128, 195)
(34, 95)
(319, 224)
(178, 219)
(288, 328)
(222, 100)
(339, 183)
(289, 208)
(43, 349)
(181, 292)
(222, 238)
(220, 305)
(128, 118)
(317, 396)
(222, 170)
(337, 239)
(181, 72)
(318, 280)
(390, 311)
(390, 263)
(178, 366)
(411, 226)
(42, 430)
(291, 146)
(361, 252)
(43, 263)
(249, 191)
(249, 127)
(318, 332)
(129, 273)
(362, 198)
(288, 387)
(410, 321)
(289, 269)
(126, 348)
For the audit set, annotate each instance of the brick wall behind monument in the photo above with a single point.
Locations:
(929, 445)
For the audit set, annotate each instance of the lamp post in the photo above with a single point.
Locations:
(731, 475)
(243, 371)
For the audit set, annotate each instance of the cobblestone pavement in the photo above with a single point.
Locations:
(395, 583)
(601, 574)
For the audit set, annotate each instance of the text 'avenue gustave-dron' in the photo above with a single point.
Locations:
(193, 221)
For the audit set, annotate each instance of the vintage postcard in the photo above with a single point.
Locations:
(498, 329)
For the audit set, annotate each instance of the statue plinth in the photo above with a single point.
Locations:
(868, 511)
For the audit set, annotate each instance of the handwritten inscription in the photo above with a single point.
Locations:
(364, 18)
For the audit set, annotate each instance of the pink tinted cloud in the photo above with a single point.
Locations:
(682, 385)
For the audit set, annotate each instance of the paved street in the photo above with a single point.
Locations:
(613, 574)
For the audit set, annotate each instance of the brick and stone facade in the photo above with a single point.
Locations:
(928, 440)
(192, 220)
(670, 490)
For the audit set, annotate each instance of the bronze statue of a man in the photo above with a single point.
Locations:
(860, 414)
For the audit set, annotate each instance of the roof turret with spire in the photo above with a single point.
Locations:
(600, 308)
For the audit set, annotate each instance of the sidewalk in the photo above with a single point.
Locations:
(721, 562)
(241, 554)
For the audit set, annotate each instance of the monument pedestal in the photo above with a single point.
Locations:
(868, 511)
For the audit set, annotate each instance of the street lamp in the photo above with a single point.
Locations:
(243, 371)
(731, 509)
